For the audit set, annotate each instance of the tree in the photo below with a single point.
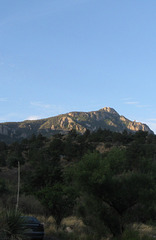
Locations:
(112, 194)
(46, 181)
(56, 147)
(58, 199)
(45, 171)
(13, 159)
(3, 187)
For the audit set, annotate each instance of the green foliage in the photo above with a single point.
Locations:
(3, 187)
(3, 154)
(58, 199)
(46, 171)
(140, 136)
(108, 188)
(13, 159)
(130, 234)
(11, 225)
(3, 157)
(56, 147)
(47, 183)
(76, 236)
(3, 146)
(111, 193)
(30, 204)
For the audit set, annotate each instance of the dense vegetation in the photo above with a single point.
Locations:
(106, 178)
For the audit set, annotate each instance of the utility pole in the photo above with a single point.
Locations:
(18, 186)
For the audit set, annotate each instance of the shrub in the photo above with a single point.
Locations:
(28, 204)
(11, 226)
(131, 234)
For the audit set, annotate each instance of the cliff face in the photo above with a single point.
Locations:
(105, 118)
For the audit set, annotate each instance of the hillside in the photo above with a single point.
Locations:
(105, 118)
(107, 175)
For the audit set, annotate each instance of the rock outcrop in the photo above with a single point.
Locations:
(105, 118)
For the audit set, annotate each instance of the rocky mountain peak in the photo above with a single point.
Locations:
(109, 110)
(105, 118)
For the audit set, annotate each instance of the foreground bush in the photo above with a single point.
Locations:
(131, 234)
(11, 225)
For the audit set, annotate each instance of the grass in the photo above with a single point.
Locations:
(131, 234)
(145, 230)
(73, 223)
(71, 228)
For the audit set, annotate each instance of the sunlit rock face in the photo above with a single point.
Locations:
(105, 118)
(135, 126)
(108, 109)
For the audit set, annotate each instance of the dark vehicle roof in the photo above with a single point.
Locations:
(29, 219)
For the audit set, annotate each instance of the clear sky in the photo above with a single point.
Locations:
(58, 56)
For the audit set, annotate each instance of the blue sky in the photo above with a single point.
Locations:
(58, 56)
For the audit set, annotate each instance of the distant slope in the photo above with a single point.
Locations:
(105, 118)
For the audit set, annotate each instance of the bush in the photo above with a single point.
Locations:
(11, 226)
(28, 204)
(50, 225)
(131, 234)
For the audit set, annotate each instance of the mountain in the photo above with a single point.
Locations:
(105, 118)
